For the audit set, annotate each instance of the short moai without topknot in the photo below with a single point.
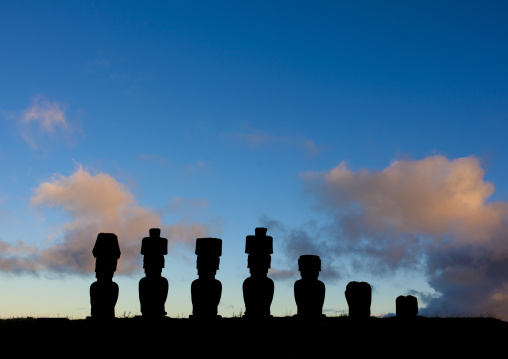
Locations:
(258, 288)
(153, 288)
(104, 292)
(359, 297)
(309, 291)
(406, 306)
(206, 291)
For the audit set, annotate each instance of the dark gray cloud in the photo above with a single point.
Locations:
(303, 241)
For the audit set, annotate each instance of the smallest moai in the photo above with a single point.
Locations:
(406, 306)
(359, 297)
(309, 291)
(206, 291)
(258, 288)
(104, 292)
(153, 288)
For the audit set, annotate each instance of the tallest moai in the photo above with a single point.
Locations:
(153, 288)
(258, 288)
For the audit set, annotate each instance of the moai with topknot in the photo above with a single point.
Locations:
(206, 291)
(153, 288)
(309, 291)
(104, 292)
(359, 297)
(258, 288)
(406, 306)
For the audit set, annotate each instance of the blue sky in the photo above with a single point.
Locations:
(370, 133)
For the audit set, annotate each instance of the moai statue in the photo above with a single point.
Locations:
(104, 292)
(258, 288)
(406, 306)
(359, 296)
(206, 290)
(153, 288)
(309, 291)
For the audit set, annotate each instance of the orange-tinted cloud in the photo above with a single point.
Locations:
(434, 196)
(432, 212)
(95, 203)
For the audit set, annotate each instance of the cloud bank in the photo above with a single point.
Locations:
(94, 203)
(431, 214)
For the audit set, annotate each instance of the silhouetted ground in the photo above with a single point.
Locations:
(338, 337)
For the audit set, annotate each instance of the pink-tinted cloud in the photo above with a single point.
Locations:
(94, 203)
(434, 196)
(433, 213)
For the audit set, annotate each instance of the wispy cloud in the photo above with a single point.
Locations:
(94, 203)
(159, 160)
(48, 115)
(188, 169)
(194, 167)
(260, 139)
(255, 138)
(43, 118)
(178, 204)
(97, 65)
(311, 147)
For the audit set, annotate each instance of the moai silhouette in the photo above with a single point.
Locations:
(206, 290)
(406, 306)
(309, 291)
(153, 288)
(104, 292)
(258, 288)
(359, 296)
